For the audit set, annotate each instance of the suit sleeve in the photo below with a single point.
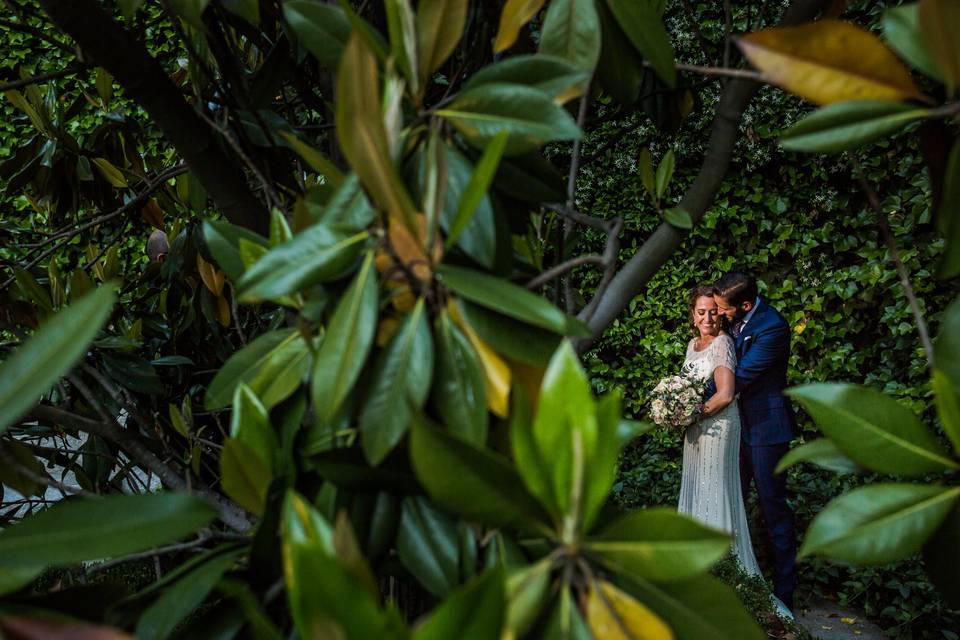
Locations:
(769, 347)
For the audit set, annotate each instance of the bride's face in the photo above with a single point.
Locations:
(705, 316)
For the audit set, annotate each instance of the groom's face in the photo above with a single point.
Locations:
(733, 313)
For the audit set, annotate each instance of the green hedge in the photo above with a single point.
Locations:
(802, 225)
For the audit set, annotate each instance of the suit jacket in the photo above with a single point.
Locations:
(763, 351)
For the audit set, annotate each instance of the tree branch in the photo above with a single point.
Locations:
(16, 84)
(658, 248)
(145, 81)
(231, 514)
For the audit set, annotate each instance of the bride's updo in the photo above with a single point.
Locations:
(700, 291)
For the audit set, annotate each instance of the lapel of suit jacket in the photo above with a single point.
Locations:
(750, 327)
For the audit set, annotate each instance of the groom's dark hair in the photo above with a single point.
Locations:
(737, 288)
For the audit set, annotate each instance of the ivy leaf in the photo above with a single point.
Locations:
(828, 61)
(879, 523)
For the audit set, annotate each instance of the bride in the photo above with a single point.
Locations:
(710, 486)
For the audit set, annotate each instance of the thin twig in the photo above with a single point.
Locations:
(173, 548)
(891, 242)
(16, 84)
(721, 72)
(563, 268)
(571, 197)
(46, 481)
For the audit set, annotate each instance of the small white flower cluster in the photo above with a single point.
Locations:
(675, 401)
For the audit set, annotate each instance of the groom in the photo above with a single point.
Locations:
(762, 338)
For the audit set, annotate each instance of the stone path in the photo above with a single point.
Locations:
(829, 621)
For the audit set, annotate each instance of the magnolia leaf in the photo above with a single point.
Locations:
(938, 24)
(459, 393)
(317, 161)
(571, 30)
(874, 430)
(514, 15)
(879, 523)
(641, 22)
(821, 452)
(476, 188)
(110, 173)
(496, 372)
(321, 28)
(439, 26)
(552, 75)
(615, 615)
(244, 475)
(678, 218)
(474, 611)
(828, 61)
(51, 352)
(848, 125)
(901, 30)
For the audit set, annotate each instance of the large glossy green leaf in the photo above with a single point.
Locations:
(512, 338)
(509, 299)
(620, 68)
(530, 178)
(79, 530)
(320, 27)
(948, 407)
(474, 611)
(403, 40)
(700, 608)
(401, 382)
(272, 366)
(346, 344)
(473, 482)
(459, 393)
(848, 125)
(941, 559)
(873, 429)
(51, 352)
(363, 135)
(938, 20)
(529, 116)
(665, 172)
(249, 10)
(821, 452)
(427, 544)
(191, 11)
(317, 161)
(15, 578)
(946, 346)
(326, 600)
(948, 220)
(316, 254)
(550, 74)
(878, 523)
(566, 621)
(659, 544)
(571, 30)
(348, 209)
(250, 422)
(244, 475)
(439, 26)
(901, 30)
(180, 599)
(641, 23)
(475, 192)
(528, 589)
(223, 241)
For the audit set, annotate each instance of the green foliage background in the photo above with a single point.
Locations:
(802, 225)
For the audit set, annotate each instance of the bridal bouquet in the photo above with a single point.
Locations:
(676, 400)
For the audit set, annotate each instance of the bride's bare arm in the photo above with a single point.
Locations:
(724, 379)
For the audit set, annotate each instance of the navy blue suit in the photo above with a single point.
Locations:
(767, 427)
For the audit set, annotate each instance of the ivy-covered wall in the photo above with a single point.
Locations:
(802, 225)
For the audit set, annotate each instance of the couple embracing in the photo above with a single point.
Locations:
(741, 348)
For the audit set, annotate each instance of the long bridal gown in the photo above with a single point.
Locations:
(710, 485)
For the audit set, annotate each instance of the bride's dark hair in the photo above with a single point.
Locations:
(702, 291)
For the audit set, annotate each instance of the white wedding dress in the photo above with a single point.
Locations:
(710, 489)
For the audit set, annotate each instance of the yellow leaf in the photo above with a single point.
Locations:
(848, 620)
(614, 615)
(515, 14)
(223, 312)
(385, 330)
(212, 278)
(801, 327)
(828, 61)
(439, 25)
(939, 25)
(496, 372)
(110, 173)
(362, 134)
